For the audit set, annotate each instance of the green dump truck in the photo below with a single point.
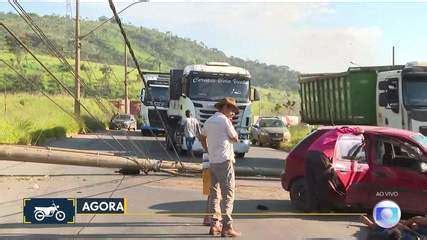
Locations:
(394, 96)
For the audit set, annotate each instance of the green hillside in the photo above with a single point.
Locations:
(105, 46)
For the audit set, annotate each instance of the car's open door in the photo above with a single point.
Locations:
(350, 162)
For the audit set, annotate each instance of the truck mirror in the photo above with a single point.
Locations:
(383, 85)
(382, 100)
(394, 107)
(142, 94)
(256, 96)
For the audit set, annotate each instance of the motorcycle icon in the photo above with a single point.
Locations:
(40, 213)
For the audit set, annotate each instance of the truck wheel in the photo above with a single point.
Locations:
(240, 155)
(298, 194)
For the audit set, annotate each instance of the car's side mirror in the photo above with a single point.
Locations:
(255, 96)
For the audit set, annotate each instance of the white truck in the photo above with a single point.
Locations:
(158, 86)
(197, 88)
(392, 96)
(402, 98)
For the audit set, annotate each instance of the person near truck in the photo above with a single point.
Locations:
(217, 138)
(191, 130)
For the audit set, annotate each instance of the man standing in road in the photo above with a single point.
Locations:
(191, 130)
(217, 137)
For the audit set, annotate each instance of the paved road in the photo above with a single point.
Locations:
(153, 148)
(156, 202)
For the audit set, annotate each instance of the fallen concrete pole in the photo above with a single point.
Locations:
(93, 159)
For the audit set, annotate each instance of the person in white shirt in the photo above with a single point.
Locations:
(191, 129)
(217, 138)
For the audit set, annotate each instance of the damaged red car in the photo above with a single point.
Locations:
(370, 164)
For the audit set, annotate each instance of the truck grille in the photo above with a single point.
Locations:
(154, 119)
(205, 113)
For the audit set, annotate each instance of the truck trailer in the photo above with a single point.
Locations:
(393, 96)
(197, 88)
(158, 86)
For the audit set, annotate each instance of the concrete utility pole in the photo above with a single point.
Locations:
(393, 56)
(127, 105)
(77, 64)
(60, 156)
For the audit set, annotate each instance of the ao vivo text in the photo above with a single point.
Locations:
(387, 194)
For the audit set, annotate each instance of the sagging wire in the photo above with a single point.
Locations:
(56, 79)
(53, 49)
(48, 97)
(137, 66)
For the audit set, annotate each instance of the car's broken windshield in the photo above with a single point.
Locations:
(421, 139)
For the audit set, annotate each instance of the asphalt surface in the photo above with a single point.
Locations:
(132, 143)
(158, 205)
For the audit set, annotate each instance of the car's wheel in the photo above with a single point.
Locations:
(298, 194)
(240, 155)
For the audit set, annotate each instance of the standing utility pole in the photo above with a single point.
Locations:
(393, 55)
(5, 104)
(126, 82)
(77, 64)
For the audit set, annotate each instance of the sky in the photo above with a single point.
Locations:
(308, 37)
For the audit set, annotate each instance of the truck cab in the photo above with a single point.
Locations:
(197, 88)
(158, 88)
(402, 98)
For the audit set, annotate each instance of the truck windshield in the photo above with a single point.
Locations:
(415, 91)
(159, 94)
(217, 88)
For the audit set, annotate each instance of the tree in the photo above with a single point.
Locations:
(289, 106)
(102, 18)
(14, 47)
(105, 86)
(277, 108)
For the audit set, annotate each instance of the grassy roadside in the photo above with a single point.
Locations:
(297, 134)
(31, 119)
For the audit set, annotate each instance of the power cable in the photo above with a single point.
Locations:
(108, 20)
(50, 99)
(54, 77)
(53, 49)
(137, 66)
